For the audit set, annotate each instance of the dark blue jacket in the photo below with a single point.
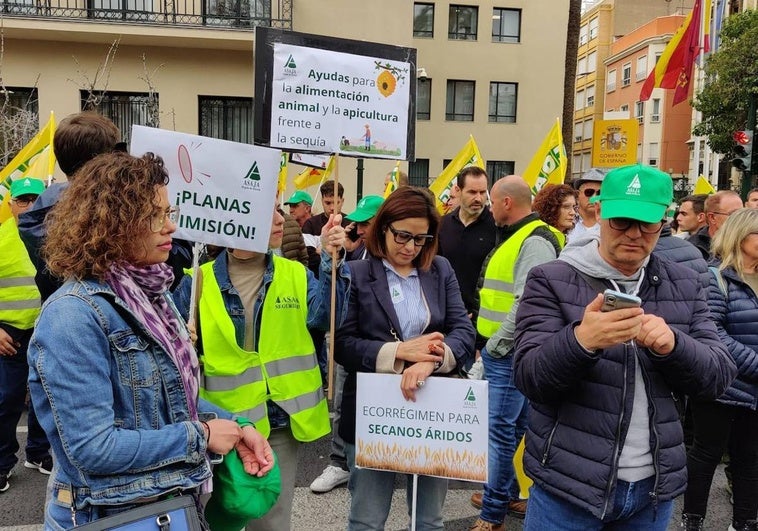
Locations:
(736, 320)
(581, 402)
(371, 320)
(681, 251)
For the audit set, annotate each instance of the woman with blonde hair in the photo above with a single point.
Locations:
(113, 374)
(731, 422)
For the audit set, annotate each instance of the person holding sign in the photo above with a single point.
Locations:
(259, 361)
(405, 316)
(113, 375)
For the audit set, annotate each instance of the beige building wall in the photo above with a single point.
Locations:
(186, 62)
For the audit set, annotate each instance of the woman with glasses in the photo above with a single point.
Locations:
(405, 316)
(556, 205)
(730, 422)
(113, 375)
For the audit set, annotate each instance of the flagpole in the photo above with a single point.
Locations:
(700, 82)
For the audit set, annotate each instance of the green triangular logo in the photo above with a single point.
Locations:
(252, 173)
(470, 396)
(290, 62)
(395, 292)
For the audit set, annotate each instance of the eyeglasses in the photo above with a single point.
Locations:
(24, 201)
(589, 192)
(402, 237)
(624, 224)
(727, 214)
(158, 222)
(570, 207)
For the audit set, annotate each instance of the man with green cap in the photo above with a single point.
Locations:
(19, 308)
(605, 446)
(300, 204)
(336, 472)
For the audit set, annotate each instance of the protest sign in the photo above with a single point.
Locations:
(327, 95)
(224, 190)
(443, 433)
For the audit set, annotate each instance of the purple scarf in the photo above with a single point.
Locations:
(144, 291)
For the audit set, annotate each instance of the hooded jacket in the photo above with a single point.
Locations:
(582, 402)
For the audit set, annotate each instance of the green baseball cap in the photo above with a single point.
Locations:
(635, 192)
(299, 197)
(27, 186)
(366, 209)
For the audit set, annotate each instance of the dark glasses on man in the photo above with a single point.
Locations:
(589, 192)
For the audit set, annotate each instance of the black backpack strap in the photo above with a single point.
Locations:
(595, 283)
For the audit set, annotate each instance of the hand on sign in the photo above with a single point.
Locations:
(333, 234)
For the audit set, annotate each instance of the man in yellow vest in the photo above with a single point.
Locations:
(259, 361)
(19, 308)
(524, 241)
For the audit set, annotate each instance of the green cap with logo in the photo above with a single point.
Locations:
(635, 192)
(299, 197)
(27, 186)
(366, 209)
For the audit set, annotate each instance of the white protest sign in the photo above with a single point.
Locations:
(336, 102)
(315, 161)
(443, 433)
(225, 190)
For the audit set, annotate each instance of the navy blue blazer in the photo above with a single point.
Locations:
(371, 321)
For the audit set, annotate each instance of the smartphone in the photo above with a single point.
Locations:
(617, 300)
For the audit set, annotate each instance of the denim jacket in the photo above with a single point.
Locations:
(319, 296)
(112, 404)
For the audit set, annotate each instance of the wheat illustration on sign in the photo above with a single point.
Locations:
(185, 163)
(388, 78)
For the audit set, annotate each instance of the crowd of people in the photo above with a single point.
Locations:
(139, 384)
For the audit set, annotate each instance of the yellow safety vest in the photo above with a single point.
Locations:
(284, 369)
(19, 296)
(496, 295)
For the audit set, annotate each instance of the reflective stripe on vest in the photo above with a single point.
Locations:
(284, 369)
(496, 295)
(19, 297)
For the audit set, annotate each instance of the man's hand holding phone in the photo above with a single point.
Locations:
(602, 329)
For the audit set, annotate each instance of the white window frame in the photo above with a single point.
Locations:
(610, 81)
(626, 80)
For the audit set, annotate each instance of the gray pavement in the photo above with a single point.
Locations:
(21, 507)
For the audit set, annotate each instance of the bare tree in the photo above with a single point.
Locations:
(569, 76)
(153, 107)
(101, 77)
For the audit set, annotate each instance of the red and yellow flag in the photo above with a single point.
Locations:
(674, 68)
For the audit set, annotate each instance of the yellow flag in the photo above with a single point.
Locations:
(467, 156)
(29, 155)
(394, 182)
(282, 183)
(314, 176)
(702, 186)
(548, 166)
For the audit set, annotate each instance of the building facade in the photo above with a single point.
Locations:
(493, 70)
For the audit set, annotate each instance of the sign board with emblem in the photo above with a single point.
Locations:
(614, 143)
(328, 95)
(225, 190)
(443, 433)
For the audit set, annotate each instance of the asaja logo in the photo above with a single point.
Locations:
(287, 302)
(252, 180)
(290, 67)
(634, 187)
(469, 400)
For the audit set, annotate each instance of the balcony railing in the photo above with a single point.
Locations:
(237, 14)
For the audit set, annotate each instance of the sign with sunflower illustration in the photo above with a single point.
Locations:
(329, 95)
(444, 433)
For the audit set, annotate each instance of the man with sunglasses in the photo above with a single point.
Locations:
(588, 186)
(605, 446)
(19, 308)
(522, 242)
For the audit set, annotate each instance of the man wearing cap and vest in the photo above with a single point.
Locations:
(254, 311)
(300, 204)
(19, 308)
(524, 242)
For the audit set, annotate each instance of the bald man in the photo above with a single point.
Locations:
(523, 242)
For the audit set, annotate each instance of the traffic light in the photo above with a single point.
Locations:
(743, 151)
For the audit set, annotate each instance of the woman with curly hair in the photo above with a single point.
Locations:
(113, 374)
(556, 205)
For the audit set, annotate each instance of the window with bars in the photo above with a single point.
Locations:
(462, 23)
(20, 113)
(228, 118)
(423, 20)
(499, 168)
(123, 108)
(418, 173)
(626, 74)
(237, 13)
(506, 25)
(424, 99)
(503, 102)
(460, 101)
